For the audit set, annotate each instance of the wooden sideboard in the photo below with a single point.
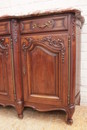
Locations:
(40, 61)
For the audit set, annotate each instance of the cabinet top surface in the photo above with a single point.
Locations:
(46, 12)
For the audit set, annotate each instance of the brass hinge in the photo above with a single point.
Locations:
(69, 51)
(14, 91)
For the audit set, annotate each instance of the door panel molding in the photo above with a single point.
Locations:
(6, 79)
(35, 50)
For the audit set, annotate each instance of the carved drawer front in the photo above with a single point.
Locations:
(44, 24)
(4, 28)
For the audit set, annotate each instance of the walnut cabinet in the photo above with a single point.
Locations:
(40, 61)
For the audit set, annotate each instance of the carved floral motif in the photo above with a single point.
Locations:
(55, 43)
(3, 46)
(15, 29)
(24, 46)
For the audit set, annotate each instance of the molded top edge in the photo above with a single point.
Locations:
(47, 12)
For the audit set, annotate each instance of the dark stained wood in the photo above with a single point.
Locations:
(40, 61)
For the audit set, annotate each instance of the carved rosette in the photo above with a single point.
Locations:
(30, 41)
(4, 46)
(14, 29)
(57, 44)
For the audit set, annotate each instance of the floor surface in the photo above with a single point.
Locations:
(34, 120)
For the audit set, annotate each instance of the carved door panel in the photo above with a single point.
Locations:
(6, 78)
(44, 68)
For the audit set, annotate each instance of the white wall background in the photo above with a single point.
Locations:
(20, 7)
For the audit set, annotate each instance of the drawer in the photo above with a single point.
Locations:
(44, 24)
(4, 28)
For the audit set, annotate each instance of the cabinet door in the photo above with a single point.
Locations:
(6, 79)
(45, 68)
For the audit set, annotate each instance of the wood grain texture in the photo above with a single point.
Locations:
(44, 24)
(4, 27)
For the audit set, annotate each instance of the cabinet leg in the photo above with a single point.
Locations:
(19, 108)
(20, 115)
(79, 101)
(70, 112)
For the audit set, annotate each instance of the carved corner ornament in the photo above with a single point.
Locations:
(30, 41)
(3, 46)
(57, 44)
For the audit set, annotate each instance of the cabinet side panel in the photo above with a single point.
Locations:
(78, 63)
